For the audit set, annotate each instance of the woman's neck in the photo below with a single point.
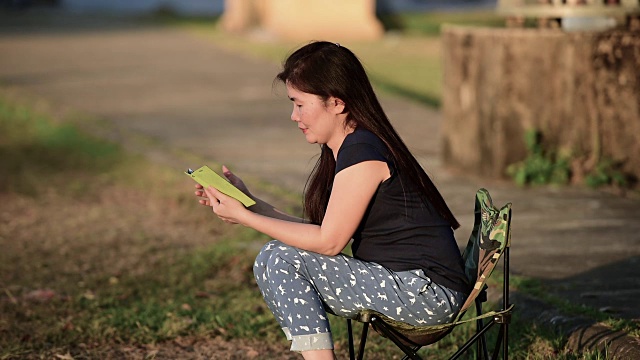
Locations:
(336, 143)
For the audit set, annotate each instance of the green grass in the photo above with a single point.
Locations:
(55, 288)
(398, 65)
(430, 23)
(34, 147)
(195, 294)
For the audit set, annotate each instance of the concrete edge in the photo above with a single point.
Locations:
(582, 333)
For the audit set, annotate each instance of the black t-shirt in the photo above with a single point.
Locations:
(400, 230)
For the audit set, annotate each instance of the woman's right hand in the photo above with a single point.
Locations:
(261, 207)
(233, 179)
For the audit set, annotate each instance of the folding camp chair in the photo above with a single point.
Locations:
(489, 240)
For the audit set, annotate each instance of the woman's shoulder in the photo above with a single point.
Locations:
(363, 136)
(361, 145)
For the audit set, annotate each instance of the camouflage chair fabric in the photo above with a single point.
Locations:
(489, 239)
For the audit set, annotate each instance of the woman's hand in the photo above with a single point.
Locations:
(227, 208)
(235, 181)
(223, 205)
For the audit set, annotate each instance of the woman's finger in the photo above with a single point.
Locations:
(213, 196)
(229, 175)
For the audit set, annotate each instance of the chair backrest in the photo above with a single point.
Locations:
(490, 236)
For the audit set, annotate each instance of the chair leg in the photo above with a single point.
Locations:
(414, 349)
(363, 340)
(483, 353)
(505, 345)
(352, 355)
(496, 350)
(473, 339)
(505, 300)
(410, 352)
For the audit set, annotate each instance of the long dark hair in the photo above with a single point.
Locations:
(328, 69)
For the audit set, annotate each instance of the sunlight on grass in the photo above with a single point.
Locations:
(33, 147)
(430, 23)
(402, 65)
(406, 63)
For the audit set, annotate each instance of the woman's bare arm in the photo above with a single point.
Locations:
(352, 191)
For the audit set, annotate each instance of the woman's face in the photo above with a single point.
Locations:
(320, 121)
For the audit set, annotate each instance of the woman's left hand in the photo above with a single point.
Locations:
(227, 208)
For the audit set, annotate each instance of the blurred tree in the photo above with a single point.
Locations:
(387, 15)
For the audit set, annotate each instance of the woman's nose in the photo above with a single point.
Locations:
(294, 115)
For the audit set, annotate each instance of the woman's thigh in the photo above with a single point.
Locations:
(347, 285)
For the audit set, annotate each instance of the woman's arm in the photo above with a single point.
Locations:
(265, 209)
(261, 207)
(352, 191)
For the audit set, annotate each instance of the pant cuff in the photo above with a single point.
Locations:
(287, 333)
(319, 341)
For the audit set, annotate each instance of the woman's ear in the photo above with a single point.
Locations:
(338, 105)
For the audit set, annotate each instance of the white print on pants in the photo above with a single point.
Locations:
(300, 286)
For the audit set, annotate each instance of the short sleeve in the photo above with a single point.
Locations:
(357, 149)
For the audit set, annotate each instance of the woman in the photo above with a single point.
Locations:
(366, 186)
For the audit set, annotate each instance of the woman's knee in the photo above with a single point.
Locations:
(263, 257)
(265, 252)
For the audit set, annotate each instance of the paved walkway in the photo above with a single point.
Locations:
(187, 93)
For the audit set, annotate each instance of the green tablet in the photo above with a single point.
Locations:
(207, 177)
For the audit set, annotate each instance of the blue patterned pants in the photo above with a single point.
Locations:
(300, 286)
